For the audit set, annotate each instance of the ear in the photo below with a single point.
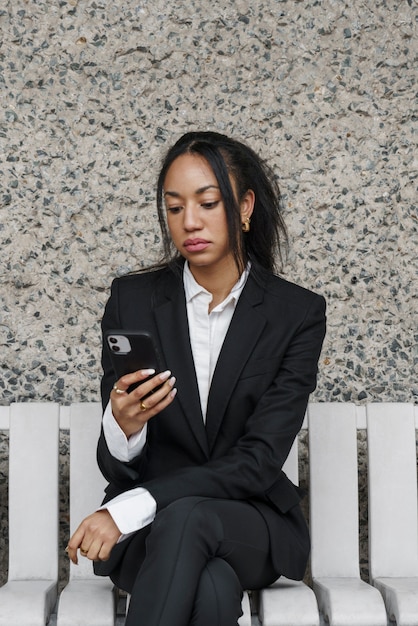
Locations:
(247, 204)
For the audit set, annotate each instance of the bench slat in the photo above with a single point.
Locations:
(33, 515)
(343, 598)
(289, 602)
(393, 505)
(86, 599)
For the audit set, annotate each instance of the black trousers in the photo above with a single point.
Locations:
(190, 566)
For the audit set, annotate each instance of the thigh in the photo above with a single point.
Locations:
(245, 541)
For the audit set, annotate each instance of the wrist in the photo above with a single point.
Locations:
(132, 432)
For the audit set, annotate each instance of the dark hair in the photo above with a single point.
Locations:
(264, 244)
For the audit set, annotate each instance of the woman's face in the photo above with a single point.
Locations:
(196, 215)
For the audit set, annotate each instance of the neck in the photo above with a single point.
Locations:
(218, 281)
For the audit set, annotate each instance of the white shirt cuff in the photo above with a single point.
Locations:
(131, 510)
(120, 447)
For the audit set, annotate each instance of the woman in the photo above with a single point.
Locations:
(198, 508)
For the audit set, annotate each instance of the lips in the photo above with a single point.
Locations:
(196, 245)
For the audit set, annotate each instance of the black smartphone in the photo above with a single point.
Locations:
(131, 351)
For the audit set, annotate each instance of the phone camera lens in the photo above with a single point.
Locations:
(115, 348)
(113, 340)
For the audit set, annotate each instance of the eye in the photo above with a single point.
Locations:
(209, 205)
(174, 209)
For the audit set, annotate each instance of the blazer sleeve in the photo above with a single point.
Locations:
(251, 468)
(121, 476)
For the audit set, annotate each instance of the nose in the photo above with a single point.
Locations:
(191, 218)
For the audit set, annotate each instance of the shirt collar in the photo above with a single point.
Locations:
(192, 288)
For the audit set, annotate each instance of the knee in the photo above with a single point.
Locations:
(218, 596)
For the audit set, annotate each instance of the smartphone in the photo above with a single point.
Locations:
(131, 351)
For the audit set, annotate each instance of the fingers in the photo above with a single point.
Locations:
(149, 385)
(97, 551)
(162, 386)
(121, 386)
(159, 400)
(133, 410)
(76, 542)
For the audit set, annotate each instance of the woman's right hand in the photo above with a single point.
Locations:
(132, 410)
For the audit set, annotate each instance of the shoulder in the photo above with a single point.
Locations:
(143, 281)
(279, 287)
(282, 299)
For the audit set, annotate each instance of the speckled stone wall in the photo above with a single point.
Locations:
(91, 95)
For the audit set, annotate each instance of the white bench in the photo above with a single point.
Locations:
(339, 597)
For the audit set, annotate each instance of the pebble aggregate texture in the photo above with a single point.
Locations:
(92, 93)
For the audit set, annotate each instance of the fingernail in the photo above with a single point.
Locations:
(173, 393)
(165, 375)
(172, 381)
(148, 372)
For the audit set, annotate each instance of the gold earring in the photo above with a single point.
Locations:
(246, 225)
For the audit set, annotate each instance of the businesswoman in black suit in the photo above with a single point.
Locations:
(198, 508)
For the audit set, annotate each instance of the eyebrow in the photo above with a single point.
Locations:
(175, 194)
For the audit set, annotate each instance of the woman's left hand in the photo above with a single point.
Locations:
(133, 410)
(95, 537)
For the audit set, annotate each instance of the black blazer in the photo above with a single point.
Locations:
(266, 370)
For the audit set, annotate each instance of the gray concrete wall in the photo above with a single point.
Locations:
(91, 95)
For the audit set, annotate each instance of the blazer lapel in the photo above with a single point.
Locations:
(246, 327)
(171, 319)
